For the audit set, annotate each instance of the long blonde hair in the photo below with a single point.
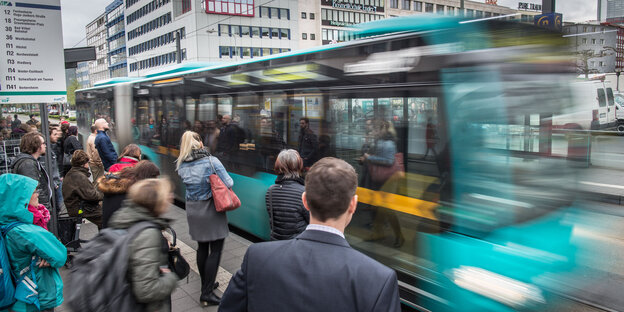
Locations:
(189, 142)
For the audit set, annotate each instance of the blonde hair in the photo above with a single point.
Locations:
(152, 194)
(189, 142)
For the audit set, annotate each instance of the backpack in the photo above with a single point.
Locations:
(13, 288)
(99, 280)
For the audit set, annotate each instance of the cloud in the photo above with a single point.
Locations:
(76, 14)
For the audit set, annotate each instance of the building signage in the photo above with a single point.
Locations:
(340, 24)
(353, 6)
(492, 2)
(549, 20)
(32, 66)
(529, 6)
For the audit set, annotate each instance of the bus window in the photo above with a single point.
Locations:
(206, 108)
(190, 111)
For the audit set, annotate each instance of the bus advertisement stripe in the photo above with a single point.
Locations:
(409, 205)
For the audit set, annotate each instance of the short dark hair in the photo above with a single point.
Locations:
(306, 119)
(52, 128)
(30, 142)
(15, 116)
(31, 115)
(93, 128)
(330, 185)
(72, 130)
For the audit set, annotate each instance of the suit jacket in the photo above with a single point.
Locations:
(316, 271)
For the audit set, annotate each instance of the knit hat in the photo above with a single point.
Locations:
(79, 158)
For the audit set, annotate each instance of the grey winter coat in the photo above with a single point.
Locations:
(148, 252)
(27, 165)
(287, 215)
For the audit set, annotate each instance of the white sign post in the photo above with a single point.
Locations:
(32, 61)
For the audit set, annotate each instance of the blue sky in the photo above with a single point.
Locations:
(76, 14)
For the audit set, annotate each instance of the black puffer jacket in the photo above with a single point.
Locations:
(287, 214)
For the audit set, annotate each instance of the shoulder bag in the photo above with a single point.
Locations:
(380, 173)
(223, 197)
(177, 263)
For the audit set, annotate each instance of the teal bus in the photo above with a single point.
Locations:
(481, 217)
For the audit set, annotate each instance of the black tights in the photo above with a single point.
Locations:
(208, 257)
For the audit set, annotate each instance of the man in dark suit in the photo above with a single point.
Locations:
(318, 270)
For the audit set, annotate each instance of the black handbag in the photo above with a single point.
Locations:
(177, 263)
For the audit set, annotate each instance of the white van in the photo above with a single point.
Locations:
(611, 111)
(591, 110)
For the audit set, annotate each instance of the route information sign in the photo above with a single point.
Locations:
(32, 64)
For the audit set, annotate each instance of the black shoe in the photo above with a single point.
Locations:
(211, 299)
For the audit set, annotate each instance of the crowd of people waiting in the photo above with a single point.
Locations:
(118, 191)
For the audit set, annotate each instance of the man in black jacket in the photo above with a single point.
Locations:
(318, 270)
(308, 143)
(32, 146)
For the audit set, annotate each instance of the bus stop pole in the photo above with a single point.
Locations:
(48, 166)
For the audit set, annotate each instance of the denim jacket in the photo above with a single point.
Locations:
(196, 169)
(384, 153)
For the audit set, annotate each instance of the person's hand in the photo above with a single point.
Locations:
(164, 270)
(42, 263)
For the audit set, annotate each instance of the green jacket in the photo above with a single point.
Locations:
(28, 240)
(148, 252)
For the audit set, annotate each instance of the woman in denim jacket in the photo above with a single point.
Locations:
(206, 226)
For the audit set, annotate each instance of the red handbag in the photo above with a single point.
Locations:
(380, 174)
(223, 197)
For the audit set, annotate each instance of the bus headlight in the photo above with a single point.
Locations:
(497, 287)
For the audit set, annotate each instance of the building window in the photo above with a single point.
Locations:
(601, 63)
(406, 4)
(584, 40)
(304, 36)
(418, 6)
(255, 31)
(265, 32)
(284, 33)
(284, 14)
(230, 7)
(324, 14)
(450, 10)
(275, 33)
(593, 41)
(312, 37)
(274, 13)
(245, 31)
(312, 16)
(394, 4)
(264, 12)
(303, 15)
(479, 14)
(429, 7)
(602, 41)
(592, 63)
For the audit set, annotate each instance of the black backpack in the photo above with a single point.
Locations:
(99, 276)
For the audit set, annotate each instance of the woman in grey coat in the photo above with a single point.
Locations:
(151, 280)
(206, 226)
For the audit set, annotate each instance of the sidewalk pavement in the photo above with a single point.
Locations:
(186, 297)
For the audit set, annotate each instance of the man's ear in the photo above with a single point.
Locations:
(305, 203)
(353, 204)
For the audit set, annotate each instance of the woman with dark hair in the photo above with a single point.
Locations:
(70, 145)
(115, 186)
(129, 157)
(287, 215)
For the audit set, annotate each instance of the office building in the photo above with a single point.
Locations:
(596, 46)
(116, 39)
(97, 37)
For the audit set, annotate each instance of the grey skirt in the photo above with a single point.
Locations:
(205, 223)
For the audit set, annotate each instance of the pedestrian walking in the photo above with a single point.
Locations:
(151, 280)
(287, 215)
(115, 186)
(308, 143)
(129, 157)
(32, 146)
(81, 197)
(30, 246)
(104, 145)
(206, 226)
(95, 163)
(318, 270)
